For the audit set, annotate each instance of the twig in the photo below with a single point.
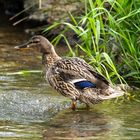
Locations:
(21, 12)
(40, 4)
(17, 22)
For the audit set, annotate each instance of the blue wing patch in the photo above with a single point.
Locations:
(84, 84)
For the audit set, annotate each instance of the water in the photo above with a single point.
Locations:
(31, 110)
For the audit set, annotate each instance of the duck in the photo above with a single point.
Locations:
(72, 77)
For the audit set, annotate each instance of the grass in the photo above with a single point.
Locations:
(108, 38)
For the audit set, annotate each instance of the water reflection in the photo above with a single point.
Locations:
(10, 130)
(105, 122)
(79, 124)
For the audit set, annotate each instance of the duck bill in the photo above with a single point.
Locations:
(25, 45)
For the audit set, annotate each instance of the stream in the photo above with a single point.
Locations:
(31, 110)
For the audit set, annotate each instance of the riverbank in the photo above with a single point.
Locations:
(45, 12)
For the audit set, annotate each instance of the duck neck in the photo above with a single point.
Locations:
(49, 59)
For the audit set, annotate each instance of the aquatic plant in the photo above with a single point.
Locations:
(107, 34)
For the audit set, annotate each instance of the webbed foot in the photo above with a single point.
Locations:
(73, 105)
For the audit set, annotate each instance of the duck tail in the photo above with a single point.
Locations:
(111, 93)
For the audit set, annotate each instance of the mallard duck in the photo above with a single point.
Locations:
(72, 76)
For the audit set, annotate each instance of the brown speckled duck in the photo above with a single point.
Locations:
(72, 77)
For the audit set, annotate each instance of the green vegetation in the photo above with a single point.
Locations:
(108, 36)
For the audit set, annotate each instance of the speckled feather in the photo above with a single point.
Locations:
(65, 70)
(72, 77)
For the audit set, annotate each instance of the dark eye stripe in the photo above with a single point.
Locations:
(36, 41)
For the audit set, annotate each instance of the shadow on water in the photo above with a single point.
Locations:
(80, 124)
(106, 122)
(30, 109)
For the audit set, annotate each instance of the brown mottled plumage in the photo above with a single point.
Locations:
(72, 77)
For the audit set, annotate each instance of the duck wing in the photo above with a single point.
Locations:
(74, 78)
(83, 63)
(80, 73)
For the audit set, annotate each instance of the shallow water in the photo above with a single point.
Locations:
(31, 110)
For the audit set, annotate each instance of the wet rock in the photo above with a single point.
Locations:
(51, 10)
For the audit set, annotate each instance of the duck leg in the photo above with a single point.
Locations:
(73, 105)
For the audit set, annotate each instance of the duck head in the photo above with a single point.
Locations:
(39, 42)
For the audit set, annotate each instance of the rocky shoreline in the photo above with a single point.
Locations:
(41, 10)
